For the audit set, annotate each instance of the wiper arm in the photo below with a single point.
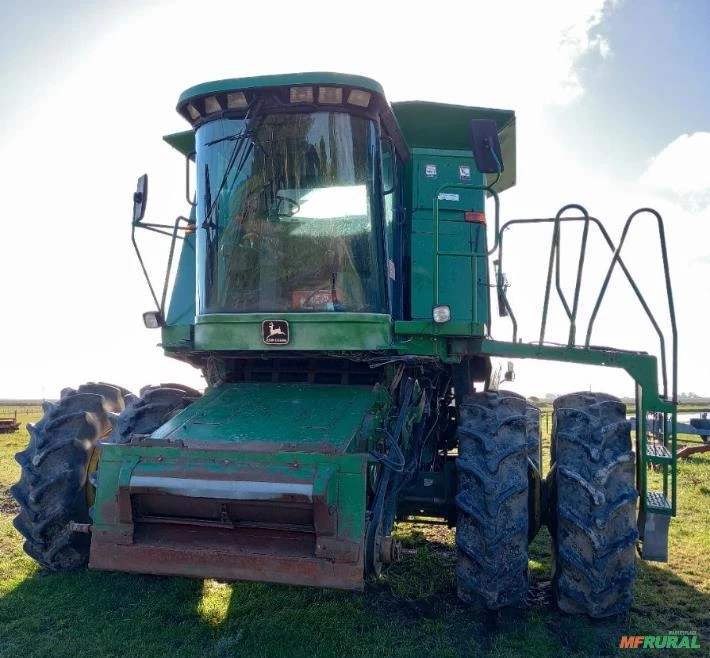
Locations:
(229, 138)
(239, 140)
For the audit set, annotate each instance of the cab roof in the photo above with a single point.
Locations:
(421, 124)
(285, 80)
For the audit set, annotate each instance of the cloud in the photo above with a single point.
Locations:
(681, 171)
(579, 25)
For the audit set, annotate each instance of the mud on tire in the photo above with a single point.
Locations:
(52, 488)
(492, 500)
(593, 505)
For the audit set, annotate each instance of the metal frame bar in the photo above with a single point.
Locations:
(160, 305)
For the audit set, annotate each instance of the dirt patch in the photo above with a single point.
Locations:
(8, 505)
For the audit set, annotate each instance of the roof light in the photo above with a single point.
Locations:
(301, 94)
(236, 100)
(193, 112)
(212, 105)
(330, 95)
(441, 314)
(359, 97)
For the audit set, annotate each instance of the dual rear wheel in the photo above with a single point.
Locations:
(57, 467)
(590, 494)
(52, 491)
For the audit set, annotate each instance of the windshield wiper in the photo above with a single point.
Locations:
(237, 154)
(229, 138)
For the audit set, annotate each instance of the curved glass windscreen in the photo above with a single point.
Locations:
(288, 214)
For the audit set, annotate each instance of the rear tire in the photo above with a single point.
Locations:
(593, 505)
(52, 492)
(492, 500)
(155, 407)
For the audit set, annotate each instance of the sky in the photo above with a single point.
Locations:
(613, 112)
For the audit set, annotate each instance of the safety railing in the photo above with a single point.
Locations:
(662, 450)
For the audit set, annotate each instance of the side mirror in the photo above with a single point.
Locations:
(140, 198)
(486, 146)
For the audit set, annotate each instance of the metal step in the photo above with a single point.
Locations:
(653, 527)
(657, 453)
(657, 502)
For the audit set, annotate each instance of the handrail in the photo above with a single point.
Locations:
(669, 295)
(555, 254)
(616, 258)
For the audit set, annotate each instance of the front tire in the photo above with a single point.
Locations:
(492, 500)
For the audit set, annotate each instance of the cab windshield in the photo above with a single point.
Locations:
(289, 214)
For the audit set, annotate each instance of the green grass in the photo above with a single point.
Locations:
(411, 611)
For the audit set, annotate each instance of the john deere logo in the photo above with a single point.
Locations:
(275, 332)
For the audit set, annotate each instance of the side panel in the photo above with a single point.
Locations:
(435, 180)
(181, 310)
(458, 277)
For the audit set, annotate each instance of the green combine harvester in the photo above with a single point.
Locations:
(332, 285)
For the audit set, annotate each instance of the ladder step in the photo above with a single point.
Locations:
(658, 453)
(657, 502)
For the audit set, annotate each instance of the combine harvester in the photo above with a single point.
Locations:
(333, 287)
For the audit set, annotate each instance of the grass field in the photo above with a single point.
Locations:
(411, 611)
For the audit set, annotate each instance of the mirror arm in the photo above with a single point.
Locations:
(500, 167)
(156, 228)
(145, 272)
(159, 305)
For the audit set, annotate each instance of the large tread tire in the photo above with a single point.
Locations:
(51, 492)
(593, 496)
(492, 500)
(156, 406)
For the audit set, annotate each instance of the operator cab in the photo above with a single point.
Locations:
(290, 211)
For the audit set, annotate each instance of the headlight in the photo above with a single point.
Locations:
(152, 319)
(441, 314)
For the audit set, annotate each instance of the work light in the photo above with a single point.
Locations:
(152, 319)
(441, 313)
